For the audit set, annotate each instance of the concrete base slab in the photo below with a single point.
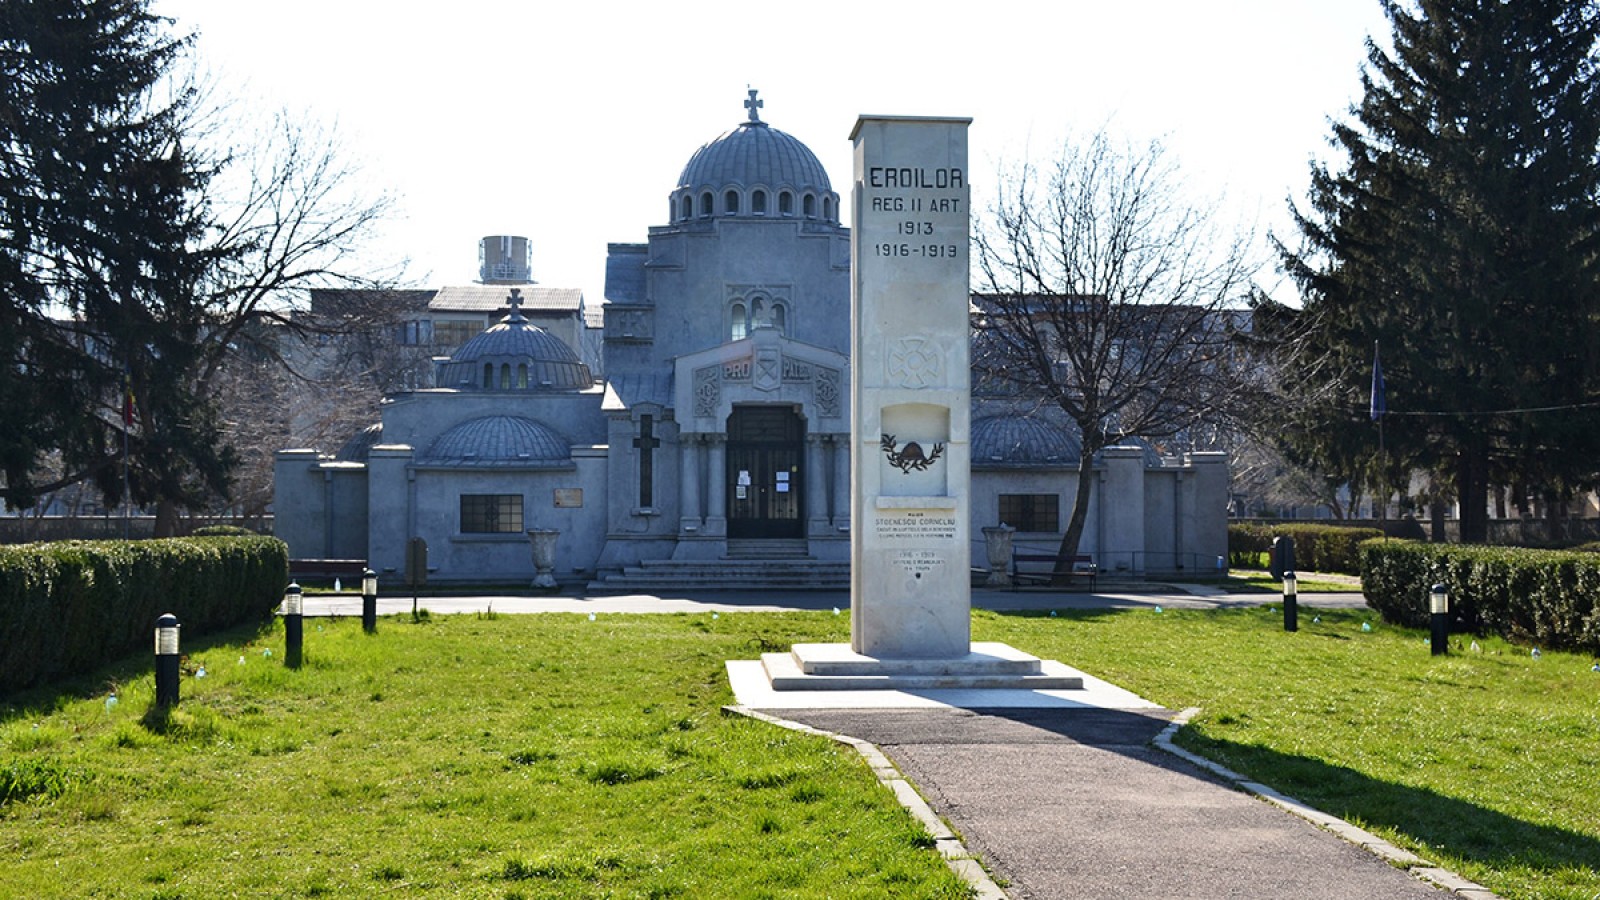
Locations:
(989, 666)
(753, 689)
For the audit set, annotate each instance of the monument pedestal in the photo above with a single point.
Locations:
(989, 665)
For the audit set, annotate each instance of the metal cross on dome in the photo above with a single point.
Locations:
(753, 104)
(514, 301)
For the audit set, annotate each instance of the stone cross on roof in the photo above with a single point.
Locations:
(514, 302)
(753, 104)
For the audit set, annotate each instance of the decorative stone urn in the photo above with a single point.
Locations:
(997, 541)
(544, 556)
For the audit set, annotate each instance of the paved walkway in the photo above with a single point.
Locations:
(1058, 799)
(1126, 597)
(1063, 803)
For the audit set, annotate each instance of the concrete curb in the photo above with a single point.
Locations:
(1366, 840)
(956, 855)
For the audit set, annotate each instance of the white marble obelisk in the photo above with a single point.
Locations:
(910, 550)
(910, 593)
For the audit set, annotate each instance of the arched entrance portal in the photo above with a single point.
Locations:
(765, 473)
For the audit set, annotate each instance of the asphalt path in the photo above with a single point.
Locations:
(1079, 803)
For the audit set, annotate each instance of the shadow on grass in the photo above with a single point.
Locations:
(47, 698)
(1453, 826)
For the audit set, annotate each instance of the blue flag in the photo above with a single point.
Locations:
(1379, 405)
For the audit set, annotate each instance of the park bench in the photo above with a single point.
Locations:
(1082, 567)
(302, 570)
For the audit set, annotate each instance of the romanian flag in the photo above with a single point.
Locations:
(127, 401)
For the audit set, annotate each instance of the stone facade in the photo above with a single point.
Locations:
(722, 422)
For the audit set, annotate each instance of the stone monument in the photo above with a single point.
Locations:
(910, 582)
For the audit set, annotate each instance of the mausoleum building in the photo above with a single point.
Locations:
(717, 440)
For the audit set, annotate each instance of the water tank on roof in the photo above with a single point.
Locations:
(503, 259)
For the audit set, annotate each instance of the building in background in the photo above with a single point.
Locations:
(706, 435)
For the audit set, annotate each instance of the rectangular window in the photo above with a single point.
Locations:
(447, 333)
(491, 514)
(1031, 512)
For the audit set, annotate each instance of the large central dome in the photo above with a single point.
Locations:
(754, 170)
(754, 153)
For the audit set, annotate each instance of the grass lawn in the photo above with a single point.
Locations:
(510, 756)
(1486, 762)
(553, 756)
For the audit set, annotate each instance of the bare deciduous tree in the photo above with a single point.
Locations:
(1106, 294)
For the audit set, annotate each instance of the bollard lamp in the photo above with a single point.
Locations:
(167, 635)
(1439, 605)
(167, 660)
(293, 629)
(1291, 604)
(369, 601)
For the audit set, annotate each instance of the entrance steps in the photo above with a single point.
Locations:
(748, 565)
(788, 548)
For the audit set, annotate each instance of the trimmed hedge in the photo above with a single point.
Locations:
(1317, 548)
(68, 607)
(1549, 598)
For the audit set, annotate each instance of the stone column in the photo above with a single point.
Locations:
(840, 482)
(1122, 513)
(717, 485)
(689, 483)
(1207, 533)
(816, 487)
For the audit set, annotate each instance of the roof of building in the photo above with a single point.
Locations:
(352, 301)
(754, 153)
(491, 298)
(1018, 439)
(628, 390)
(498, 441)
(360, 445)
(625, 272)
(515, 354)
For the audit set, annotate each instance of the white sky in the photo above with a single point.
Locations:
(569, 123)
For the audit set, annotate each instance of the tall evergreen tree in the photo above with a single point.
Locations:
(1461, 236)
(102, 212)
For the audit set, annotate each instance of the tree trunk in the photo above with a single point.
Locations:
(1472, 485)
(166, 519)
(1062, 576)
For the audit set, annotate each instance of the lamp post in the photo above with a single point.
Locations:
(293, 625)
(167, 660)
(369, 601)
(1291, 602)
(1439, 605)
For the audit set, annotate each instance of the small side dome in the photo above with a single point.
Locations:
(1020, 440)
(360, 445)
(499, 441)
(515, 355)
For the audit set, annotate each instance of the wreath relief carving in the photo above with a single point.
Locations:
(911, 457)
